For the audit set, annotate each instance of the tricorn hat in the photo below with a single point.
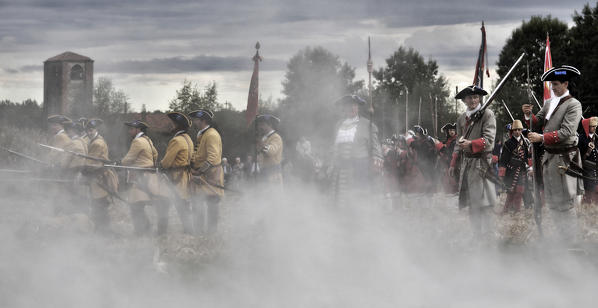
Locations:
(448, 126)
(201, 113)
(419, 129)
(473, 89)
(94, 123)
(58, 118)
(516, 125)
(563, 73)
(350, 99)
(74, 126)
(268, 118)
(137, 124)
(180, 119)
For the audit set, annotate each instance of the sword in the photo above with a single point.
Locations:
(77, 154)
(24, 156)
(574, 171)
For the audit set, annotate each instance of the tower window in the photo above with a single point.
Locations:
(76, 72)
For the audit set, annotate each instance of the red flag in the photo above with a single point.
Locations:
(481, 64)
(548, 94)
(252, 100)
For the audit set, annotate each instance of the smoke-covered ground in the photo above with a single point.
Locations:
(291, 252)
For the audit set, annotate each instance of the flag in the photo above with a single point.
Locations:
(548, 94)
(252, 99)
(481, 64)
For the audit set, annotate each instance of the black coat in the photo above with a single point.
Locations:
(514, 163)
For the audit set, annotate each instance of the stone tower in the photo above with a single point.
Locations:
(68, 85)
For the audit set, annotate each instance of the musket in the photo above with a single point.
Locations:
(535, 165)
(131, 168)
(508, 111)
(25, 156)
(105, 161)
(478, 115)
(35, 180)
(205, 181)
(14, 171)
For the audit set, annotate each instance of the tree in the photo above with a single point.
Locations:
(584, 56)
(314, 80)
(190, 98)
(108, 100)
(406, 72)
(530, 38)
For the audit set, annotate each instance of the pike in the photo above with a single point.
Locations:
(76, 154)
(536, 165)
(508, 111)
(25, 156)
(478, 115)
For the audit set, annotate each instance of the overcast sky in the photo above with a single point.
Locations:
(149, 47)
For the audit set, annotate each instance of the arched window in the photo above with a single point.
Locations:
(76, 72)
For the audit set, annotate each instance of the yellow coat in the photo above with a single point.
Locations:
(270, 157)
(101, 178)
(142, 153)
(178, 159)
(60, 140)
(209, 149)
(72, 162)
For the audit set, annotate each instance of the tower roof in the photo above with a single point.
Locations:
(69, 56)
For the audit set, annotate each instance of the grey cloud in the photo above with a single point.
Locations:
(183, 65)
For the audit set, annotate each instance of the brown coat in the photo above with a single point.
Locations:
(144, 185)
(102, 179)
(270, 157)
(208, 153)
(60, 140)
(177, 160)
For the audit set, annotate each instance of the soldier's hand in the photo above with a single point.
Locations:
(527, 109)
(535, 137)
(464, 144)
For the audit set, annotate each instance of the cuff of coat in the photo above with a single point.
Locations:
(533, 118)
(494, 159)
(551, 137)
(478, 145)
(454, 159)
(502, 171)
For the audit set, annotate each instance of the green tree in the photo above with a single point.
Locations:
(108, 100)
(190, 98)
(584, 56)
(407, 75)
(530, 38)
(314, 80)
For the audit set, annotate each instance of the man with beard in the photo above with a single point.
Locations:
(589, 154)
(559, 119)
(356, 152)
(103, 182)
(145, 186)
(208, 173)
(177, 163)
(474, 152)
(445, 155)
(269, 150)
(513, 166)
(425, 156)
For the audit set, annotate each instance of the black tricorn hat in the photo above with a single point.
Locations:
(350, 99)
(179, 118)
(94, 123)
(74, 125)
(201, 113)
(58, 118)
(563, 73)
(137, 124)
(419, 129)
(448, 126)
(473, 89)
(268, 118)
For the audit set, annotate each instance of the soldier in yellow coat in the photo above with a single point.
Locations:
(270, 148)
(177, 163)
(208, 176)
(103, 182)
(72, 166)
(145, 186)
(59, 138)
